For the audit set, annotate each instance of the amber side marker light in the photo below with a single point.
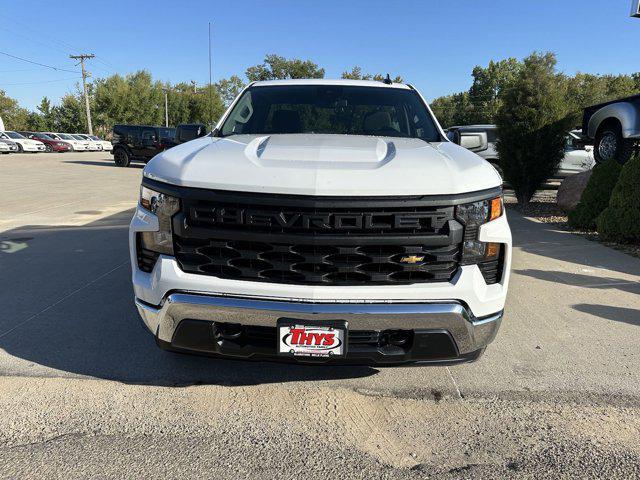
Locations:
(496, 208)
(492, 251)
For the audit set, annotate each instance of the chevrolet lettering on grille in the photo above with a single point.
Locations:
(309, 221)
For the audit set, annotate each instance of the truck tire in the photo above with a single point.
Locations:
(121, 157)
(609, 145)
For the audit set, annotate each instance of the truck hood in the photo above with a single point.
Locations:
(314, 164)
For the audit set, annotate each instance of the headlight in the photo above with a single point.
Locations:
(60, 144)
(164, 207)
(473, 215)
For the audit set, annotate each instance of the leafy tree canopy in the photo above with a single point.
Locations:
(356, 74)
(276, 67)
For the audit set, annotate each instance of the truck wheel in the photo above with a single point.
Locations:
(609, 145)
(121, 157)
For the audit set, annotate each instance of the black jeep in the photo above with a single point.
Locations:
(139, 142)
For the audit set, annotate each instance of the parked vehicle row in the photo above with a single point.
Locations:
(23, 141)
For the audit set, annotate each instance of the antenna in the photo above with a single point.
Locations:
(210, 89)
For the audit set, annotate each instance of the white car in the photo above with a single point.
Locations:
(77, 145)
(24, 144)
(8, 147)
(322, 221)
(94, 142)
(91, 145)
(107, 146)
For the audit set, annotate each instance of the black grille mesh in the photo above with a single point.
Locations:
(318, 264)
(358, 241)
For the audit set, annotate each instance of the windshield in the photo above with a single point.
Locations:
(43, 136)
(93, 137)
(331, 109)
(64, 136)
(77, 137)
(13, 135)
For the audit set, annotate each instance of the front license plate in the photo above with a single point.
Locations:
(302, 339)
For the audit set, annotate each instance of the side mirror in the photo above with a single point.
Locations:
(476, 141)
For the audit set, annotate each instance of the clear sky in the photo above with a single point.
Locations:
(431, 44)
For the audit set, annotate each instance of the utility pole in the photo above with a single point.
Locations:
(85, 74)
(166, 107)
(210, 88)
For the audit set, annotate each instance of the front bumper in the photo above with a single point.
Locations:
(437, 332)
(33, 148)
(466, 309)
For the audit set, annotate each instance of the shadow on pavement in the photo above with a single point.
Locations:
(546, 240)
(579, 280)
(68, 305)
(618, 314)
(105, 163)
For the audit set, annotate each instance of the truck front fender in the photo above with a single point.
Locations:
(625, 112)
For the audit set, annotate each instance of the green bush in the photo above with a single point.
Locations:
(620, 221)
(532, 124)
(596, 195)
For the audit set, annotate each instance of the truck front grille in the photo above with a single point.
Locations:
(317, 264)
(317, 240)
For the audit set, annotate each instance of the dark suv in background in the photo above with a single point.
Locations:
(140, 142)
(186, 132)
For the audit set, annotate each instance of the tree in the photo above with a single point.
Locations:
(229, 88)
(46, 114)
(356, 74)
(532, 124)
(453, 109)
(275, 67)
(14, 116)
(488, 85)
(69, 116)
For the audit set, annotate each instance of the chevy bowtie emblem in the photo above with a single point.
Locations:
(411, 259)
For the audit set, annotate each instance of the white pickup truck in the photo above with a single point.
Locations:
(322, 221)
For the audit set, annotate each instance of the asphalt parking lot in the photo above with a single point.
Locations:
(85, 392)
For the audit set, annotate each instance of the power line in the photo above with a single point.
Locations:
(41, 81)
(38, 63)
(66, 46)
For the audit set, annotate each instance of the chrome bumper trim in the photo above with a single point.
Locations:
(469, 332)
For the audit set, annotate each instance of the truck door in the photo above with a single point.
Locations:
(148, 147)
